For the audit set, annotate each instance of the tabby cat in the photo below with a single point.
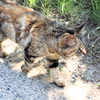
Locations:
(38, 35)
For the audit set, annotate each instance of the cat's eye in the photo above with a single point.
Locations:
(78, 50)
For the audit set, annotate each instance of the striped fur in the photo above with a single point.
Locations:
(38, 35)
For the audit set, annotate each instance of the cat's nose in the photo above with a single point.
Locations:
(84, 51)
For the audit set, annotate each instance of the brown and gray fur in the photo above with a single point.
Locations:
(38, 35)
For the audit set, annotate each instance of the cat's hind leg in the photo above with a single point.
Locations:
(28, 61)
(2, 38)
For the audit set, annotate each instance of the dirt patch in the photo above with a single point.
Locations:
(82, 78)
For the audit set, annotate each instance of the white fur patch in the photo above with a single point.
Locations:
(25, 41)
(22, 20)
(9, 30)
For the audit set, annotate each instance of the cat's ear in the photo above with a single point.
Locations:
(70, 39)
(79, 28)
(67, 40)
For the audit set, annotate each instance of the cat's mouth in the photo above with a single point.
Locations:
(76, 52)
(81, 50)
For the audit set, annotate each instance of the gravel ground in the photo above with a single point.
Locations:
(83, 79)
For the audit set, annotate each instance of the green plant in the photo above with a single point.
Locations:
(45, 6)
(98, 84)
(73, 9)
(93, 7)
(66, 8)
(95, 10)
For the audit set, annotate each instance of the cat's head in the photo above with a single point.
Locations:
(70, 45)
(68, 42)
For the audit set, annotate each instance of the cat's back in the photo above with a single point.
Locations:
(10, 7)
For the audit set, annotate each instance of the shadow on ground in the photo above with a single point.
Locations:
(83, 79)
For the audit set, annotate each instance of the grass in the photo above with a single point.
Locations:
(71, 9)
(65, 8)
(45, 6)
(93, 6)
(95, 10)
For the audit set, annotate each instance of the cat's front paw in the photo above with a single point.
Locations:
(25, 69)
(59, 76)
(59, 83)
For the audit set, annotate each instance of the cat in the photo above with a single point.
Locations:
(38, 35)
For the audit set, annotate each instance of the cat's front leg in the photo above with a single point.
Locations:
(52, 63)
(55, 73)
